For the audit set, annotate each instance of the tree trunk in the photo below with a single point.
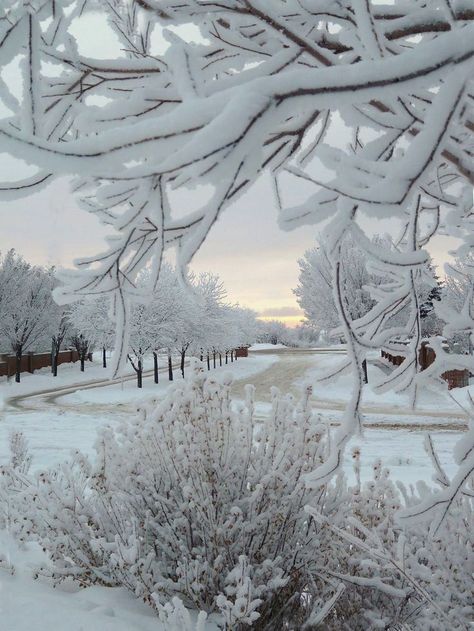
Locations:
(170, 367)
(214, 359)
(208, 362)
(155, 368)
(220, 359)
(226, 357)
(183, 355)
(231, 356)
(104, 358)
(19, 354)
(139, 374)
(364, 370)
(83, 361)
(54, 363)
(202, 357)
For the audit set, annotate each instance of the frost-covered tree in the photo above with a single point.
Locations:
(359, 279)
(213, 330)
(83, 348)
(26, 305)
(273, 332)
(170, 305)
(141, 340)
(60, 330)
(245, 324)
(262, 90)
(305, 334)
(315, 292)
(457, 309)
(92, 318)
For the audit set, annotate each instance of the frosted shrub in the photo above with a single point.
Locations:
(214, 502)
(195, 500)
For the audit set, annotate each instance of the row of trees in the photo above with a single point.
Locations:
(190, 318)
(177, 320)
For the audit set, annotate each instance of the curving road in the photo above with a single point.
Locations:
(284, 374)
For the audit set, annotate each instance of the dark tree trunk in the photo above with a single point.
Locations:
(202, 357)
(227, 357)
(231, 356)
(170, 368)
(208, 362)
(54, 357)
(54, 364)
(139, 374)
(364, 370)
(220, 359)
(19, 354)
(214, 359)
(83, 361)
(183, 355)
(104, 358)
(155, 368)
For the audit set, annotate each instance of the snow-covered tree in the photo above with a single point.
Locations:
(315, 292)
(170, 305)
(306, 335)
(263, 89)
(211, 328)
(245, 325)
(92, 318)
(83, 348)
(142, 340)
(457, 309)
(273, 332)
(26, 305)
(59, 331)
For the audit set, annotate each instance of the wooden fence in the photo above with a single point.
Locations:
(426, 356)
(34, 361)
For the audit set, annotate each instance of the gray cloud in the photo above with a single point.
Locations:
(281, 312)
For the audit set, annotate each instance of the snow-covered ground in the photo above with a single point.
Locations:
(27, 604)
(68, 374)
(55, 424)
(437, 399)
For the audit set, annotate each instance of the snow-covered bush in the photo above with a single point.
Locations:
(193, 500)
(199, 504)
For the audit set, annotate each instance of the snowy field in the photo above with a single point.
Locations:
(57, 422)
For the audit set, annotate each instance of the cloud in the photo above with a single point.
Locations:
(280, 312)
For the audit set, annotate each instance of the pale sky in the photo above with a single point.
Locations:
(255, 259)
